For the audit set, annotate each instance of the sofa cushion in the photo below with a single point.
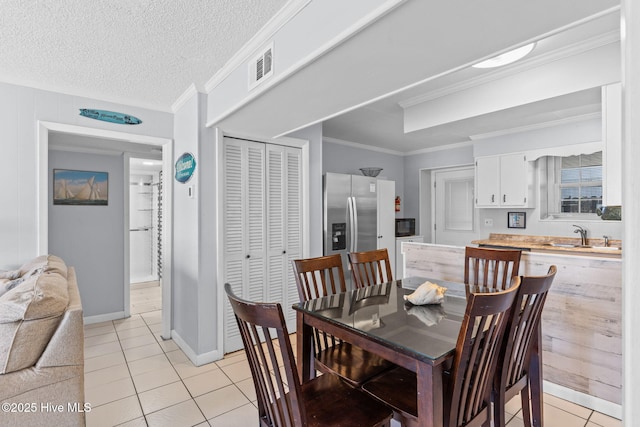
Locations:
(31, 311)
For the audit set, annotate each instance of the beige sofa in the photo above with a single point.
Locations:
(41, 346)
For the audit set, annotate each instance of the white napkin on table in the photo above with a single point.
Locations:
(427, 293)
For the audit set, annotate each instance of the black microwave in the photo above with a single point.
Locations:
(405, 227)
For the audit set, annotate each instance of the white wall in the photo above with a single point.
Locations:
(91, 238)
(20, 110)
(195, 306)
(313, 134)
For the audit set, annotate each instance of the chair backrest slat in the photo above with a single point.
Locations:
(523, 325)
(370, 267)
(314, 274)
(260, 324)
(477, 349)
(490, 268)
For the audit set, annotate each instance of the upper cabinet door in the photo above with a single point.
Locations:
(487, 181)
(513, 180)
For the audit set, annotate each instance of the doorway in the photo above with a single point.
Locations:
(125, 143)
(145, 234)
(454, 212)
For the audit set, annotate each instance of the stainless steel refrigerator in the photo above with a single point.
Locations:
(350, 215)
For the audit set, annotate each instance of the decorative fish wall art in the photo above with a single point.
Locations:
(110, 116)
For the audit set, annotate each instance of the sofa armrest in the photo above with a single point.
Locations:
(66, 347)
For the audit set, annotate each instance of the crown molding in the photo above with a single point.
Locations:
(537, 126)
(182, 99)
(439, 148)
(288, 12)
(361, 146)
(518, 67)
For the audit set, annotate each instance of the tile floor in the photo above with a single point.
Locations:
(134, 378)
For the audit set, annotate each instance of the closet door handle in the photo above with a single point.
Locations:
(284, 252)
(248, 256)
(493, 198)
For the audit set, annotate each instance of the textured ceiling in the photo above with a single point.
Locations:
(139, 52)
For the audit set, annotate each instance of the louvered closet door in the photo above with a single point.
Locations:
(244, 227)
(284, 226)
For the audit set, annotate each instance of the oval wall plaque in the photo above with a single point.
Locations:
(185, 166)
(110, 116)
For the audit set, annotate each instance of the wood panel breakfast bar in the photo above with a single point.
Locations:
(581, 322)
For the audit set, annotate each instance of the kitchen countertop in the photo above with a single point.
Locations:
(550, 243)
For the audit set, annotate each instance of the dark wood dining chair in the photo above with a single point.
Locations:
(490, 268)
(282, 400)
(467, 385)
(324, 277)
(515, 363)
(370, 267)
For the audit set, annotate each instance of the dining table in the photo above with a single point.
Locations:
(421, 338)
(377, 319)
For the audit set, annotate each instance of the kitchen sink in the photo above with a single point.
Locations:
(607, 248)
(567, 245)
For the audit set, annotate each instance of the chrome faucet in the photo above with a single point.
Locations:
(606, 241)
(583, 234)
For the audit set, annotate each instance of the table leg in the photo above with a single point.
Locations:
(429, 395)
(535, 381)
(306, 365)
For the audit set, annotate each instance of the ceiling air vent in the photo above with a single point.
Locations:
(261, 67)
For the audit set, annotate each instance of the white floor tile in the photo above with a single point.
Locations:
(114, 413)
(221, 401)
(141, 340)
(206, 382)
(100, 339)
(237, 371)
(185, 414)
(91, 332)
(102, 349)
(109, 392)
(239, 417)
(163, 397)
(101, 362)
(154, 379)
(134, 332)
(106, 375)
(142, 352)
(604, 420)
(148, 364)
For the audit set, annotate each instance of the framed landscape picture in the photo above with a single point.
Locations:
(74, 187)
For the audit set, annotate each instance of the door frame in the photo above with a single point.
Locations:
(430, 175)
(433, 197)
(43, 131)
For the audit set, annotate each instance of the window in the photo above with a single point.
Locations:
(574, 185)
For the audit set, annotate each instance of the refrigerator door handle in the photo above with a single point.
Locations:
(351, 223)
(355, 222)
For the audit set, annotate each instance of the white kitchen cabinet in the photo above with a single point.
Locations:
(399, 273)
(504, 181)
(262, 226)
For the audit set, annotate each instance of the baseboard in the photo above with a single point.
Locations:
(88, 320)
(603, 406)
(196, 359)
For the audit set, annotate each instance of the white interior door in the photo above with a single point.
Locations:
(455, 219)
